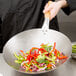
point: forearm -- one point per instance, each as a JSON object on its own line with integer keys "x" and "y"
{"x": 71, "y": 6}
{"x": 62, "y": 3}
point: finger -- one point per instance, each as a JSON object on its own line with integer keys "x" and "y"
{"x": 46, "y": 6}
{"x": 49, "y": 8}
{"x": 53, "y": 14}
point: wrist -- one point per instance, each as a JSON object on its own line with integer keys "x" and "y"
{"x": 62, "y": 3}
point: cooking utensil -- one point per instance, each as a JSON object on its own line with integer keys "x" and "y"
{"x": 33, "y": 38}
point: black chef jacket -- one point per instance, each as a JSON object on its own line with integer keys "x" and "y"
{"x": 26, "y": 14}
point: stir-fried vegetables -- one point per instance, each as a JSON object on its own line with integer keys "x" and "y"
{"x": 39, "y": 59}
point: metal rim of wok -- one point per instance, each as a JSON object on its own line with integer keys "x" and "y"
{"x": 26, "y": 39}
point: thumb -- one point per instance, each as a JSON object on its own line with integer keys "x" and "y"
{"x": 47, "y": 8}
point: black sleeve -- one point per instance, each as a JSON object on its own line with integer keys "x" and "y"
{"x": 71, "y": 7}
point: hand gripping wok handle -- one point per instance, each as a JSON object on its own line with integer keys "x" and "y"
{"x": 47, "y": 14}
{"x": 45, "y": 26}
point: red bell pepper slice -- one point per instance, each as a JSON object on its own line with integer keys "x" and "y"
{"x": 55, "y": 52}
{"x": 63, "y": 57}
{"x": 54, "y": 45}
{"x": 42, "y": 50}
{"x": 22, "y": 52}
{"x": 33, "y": 49}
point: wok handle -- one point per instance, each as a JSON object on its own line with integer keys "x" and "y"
{"x": 45, "y": 26}
{"x": 47, "y": 14}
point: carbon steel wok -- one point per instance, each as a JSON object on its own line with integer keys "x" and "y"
{"x": 33, "y": 38}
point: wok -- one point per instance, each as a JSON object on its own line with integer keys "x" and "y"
{"x": 33, "y": 38}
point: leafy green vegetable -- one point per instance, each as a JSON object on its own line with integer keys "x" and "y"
{"x": 19, "y": 58}
{"x": 73, "y": 48}
{"x": 46, "y": 61}
{"x": 51, "y": 58}
{"x": 18, "y": 61}
{"x": 16, "y": 55}
{"x": 39, "y": 66}
{"x": 41, "y": 58}
{"x": 46, "y": 47}
{"x": 58, "y": 54}
{"x": 44, "y": 53}
{"x": 28, "y": 65}
{"x": 27, "y": 52}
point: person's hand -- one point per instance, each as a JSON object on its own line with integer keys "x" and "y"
{"x": 54, "y": 8}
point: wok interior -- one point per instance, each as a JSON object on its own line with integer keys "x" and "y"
{"x": 33, "y": 38}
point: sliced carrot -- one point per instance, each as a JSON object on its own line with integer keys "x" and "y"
{"x": 30, "y": 70}
{"x": 55, "y": 52}
{"x": 42, "y": 50}
{"x": 25, "y": 65}
{"x": 22, "y": 52}
{"x": 33, "y": 48}
{"x": 28, "y": 63}
{"x": 49, "y": 65}
{"x": 51, "y": 52}
{"x": 54, "y": 45}
{"x": 53, "y": 48}
{"x": 62, "y": 57}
